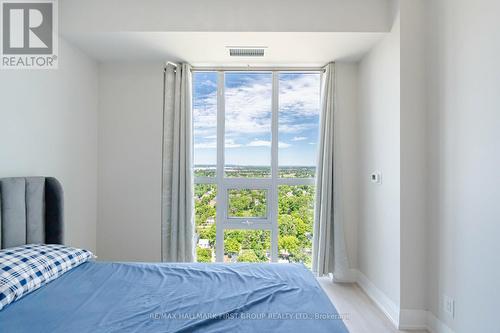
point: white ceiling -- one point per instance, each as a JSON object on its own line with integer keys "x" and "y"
{"x": 209, "y": 48}
{"x": 225, "y": 15}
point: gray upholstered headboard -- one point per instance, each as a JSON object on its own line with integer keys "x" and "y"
{"x": 31, "y": 211}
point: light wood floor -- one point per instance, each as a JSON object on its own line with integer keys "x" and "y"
{"x": 363, "y": 315}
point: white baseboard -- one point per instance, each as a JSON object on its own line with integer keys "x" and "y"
{"x": 403, "y": 319}
{"x": 388, "y": 307}
{"x": 410, "y": 319}
{"x": 421, "y": 320}
{"x": 434, "y": 325}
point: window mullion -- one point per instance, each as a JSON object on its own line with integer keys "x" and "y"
{"x": 221, "y": 192}
{"x": 273, "y": 200}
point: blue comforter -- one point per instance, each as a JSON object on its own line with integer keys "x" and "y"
{"x": 137, "y": 297}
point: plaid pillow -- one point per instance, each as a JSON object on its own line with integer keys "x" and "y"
{"x": 26, "y": 268}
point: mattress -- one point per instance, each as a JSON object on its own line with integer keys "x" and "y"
{"x": 142, "y": 297}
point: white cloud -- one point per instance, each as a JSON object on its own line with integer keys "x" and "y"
{"x": 209, "y": 83}
{"x": 248, "y": 108}
{"x": 295, "y": 127}
{"x": 205, "y": 115}
{"x": 205, "y": 145}
{"x": 299, "y": 101}
{"x": 230, "y": 143}
{"x": 265, "y": 143}
{"x": 312, "y": 143}
{"x": 300, "y": 95}
{"x": 259, "y": 143}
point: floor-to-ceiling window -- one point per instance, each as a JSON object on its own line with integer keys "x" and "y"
{"x": 255, "y": 142}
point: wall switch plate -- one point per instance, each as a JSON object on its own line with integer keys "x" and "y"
{"x": 449, "y": 306}
{"x": 376, "y": 177}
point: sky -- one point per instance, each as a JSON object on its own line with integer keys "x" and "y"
{"x": 248, "y": 103}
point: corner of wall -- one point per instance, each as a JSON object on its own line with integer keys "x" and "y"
{"x": 59, "y": 134}
{"x": 402, "y": 319}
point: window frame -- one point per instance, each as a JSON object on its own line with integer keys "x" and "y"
{"x": 271, "y": 185}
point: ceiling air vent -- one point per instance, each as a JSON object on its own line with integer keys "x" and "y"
{"x": 246, "y": 51}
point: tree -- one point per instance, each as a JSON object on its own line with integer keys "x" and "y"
{"x": 295, "y": 216}
{"x": 248, "y": 256}
{"x": 289, "y": 244}
{"x": 203, "y": 255}
{"x": 208, "y": 233}
{"x": 247, "y": 203}
{"x": 287, "y": 225}
{"x": 232, "y": 245}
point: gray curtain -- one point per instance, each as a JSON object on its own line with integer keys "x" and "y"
{"x": 177, "y": 180}
{"x": 329, "y": 250}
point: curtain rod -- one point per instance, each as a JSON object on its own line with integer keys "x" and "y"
{"x": 256, "y": 68}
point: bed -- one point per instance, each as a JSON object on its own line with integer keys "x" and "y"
{"x": 152, "y": 297}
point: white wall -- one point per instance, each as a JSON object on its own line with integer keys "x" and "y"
{"x": 48, "y": 127}
{"x": 130, "y": 134}
{"x": 413, "y": 157}
{"x": 464, "y": 141}
{"x": 346, "y": 154}
{"x": 379, "y": 150}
